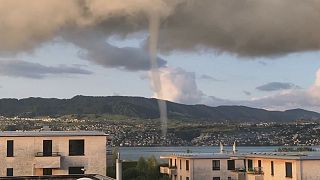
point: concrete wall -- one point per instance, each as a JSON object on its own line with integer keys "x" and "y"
{"x": 201, "y": 169}
{"x": 279, "y": 169}
{"x": 25, "y": 148}
{"x": 310, "y": 169}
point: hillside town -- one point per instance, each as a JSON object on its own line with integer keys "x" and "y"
{"x": 133, "y": 132}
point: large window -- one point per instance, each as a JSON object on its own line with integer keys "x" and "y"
{"x": 215, "y": 164}
{"x": 272, "y": 168}
{"x": 9, "y": 171}
{"x": 250, "y": 164}
{"x": 187, "y": 165}
{"x": 10, "y": 148}
{"x": 76, "y": 147}
{"x": 76, "y": 170}
{"x": 289, "y": 169}
{"x": 231, "y": 165}
{"x": 216, "y": 178}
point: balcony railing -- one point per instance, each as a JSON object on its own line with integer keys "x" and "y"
{"x": 171, "y": 170}
{"x": 42, "y": 154}
{"x": 255, "y": 170}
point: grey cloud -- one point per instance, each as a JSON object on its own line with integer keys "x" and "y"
{"x": 247, "y": 93}
{"x": 274, "y": 86}
{"x": 96, "y": 49}
{"x": 17, "y": 68}
{"x": 208, "y": 77}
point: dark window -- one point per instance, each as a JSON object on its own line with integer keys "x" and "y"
{"x": 231, "y": 165}
{"x": 175, "y": 162}
{"x": 76, "y": 170}
{"x": 216, "y": 178}
{"x": 250, "y": 164}
{"x": 272, "y": 168}
{"x": 229, "y": 178}
{"x": 215, "y": 164}
{"x": 187, "y": 178}
{"x": 47, "y": 148}
{"x": 170, "y": 163}
{"x": 288, "y": 169}
{"x": 76, "y": 147}
{"x": 187, "y": 165}
{"x": 9, "y": 171}
{"x": 10, "y": 148}
{"x": 180, "y": 163}
{"x": 259, "y": 163}
{"x": 180, "y": 176}
{"x": 47, "y": 171}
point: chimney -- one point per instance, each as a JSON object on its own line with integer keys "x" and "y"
{"x": 234, "y": 148}
{"x": 221, "y": 148}
{"x": 118, "y": 168}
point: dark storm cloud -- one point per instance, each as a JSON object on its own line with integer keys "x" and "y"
{"x": 17, "y": 68}
{"x": 247, "y": 28}
{"x": 275, "y": 86}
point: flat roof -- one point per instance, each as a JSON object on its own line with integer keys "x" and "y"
{"x": 199, "y": 156}
{"x": 50, "y": 133}
{"x": 285, "y": 155}
{"x": 264, "y": 155}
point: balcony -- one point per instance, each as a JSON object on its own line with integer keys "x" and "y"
{"x": 168, "y": 170}
{"x": 256, "y": 170}
{"x": 255, "y": 174}
{"x": 52, "y": 160}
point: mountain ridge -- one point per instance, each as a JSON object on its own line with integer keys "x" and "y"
{"x": 145, "y": 108}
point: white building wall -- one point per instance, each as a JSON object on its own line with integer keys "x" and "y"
{"x": 25, "y": 149}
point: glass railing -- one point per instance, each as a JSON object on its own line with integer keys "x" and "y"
{"x": 42, "y": 154}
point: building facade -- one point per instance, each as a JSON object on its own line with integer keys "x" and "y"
{"x": 253, "y": 166}
{"x": 52, "y": 153}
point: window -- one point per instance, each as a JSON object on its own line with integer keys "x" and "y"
{"x": 272, "y": 169}
{"x": 180, "y": 176}
{"x": 175, "y": 162}
{"x": 231, "y": 165}
{"x": 289, "y": 169}
{"x": 187, "y": 178}
{"x": 250, "y": 164}
{"x": 9, "y": 171}
{"x": 215, "y": 164}
{"x": 180, "y": 164}
{"x": 10, "y": 148}
{"x": 76, "y": 147}
{"x": 76, "y": 170}
{"x": 216, "y": 178}
{"x": 47, "y": 147}
{"x": 47, "y": 171}
{"x": 229, "y": 178}
{"x": 187, "y": 165}
{"x": 259, "y": 163}
{"x": 170, "y": 163}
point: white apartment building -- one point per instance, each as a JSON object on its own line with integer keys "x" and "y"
{"x": 233, "y": 166}
{"x": 33, "y": 153}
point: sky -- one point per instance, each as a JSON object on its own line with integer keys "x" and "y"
{"x": 260, "y": 54}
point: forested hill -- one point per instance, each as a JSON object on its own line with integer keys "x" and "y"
{"x": 144, "y": 108}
